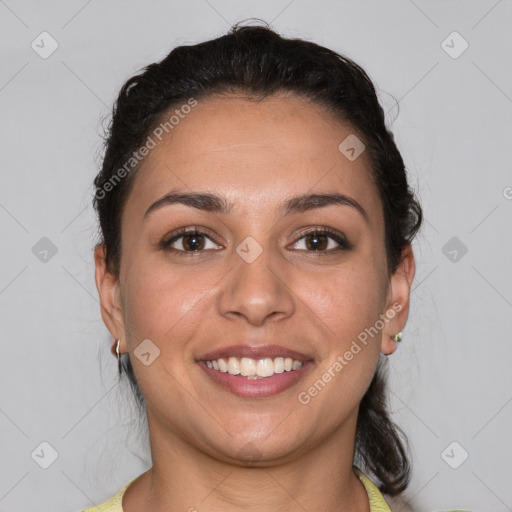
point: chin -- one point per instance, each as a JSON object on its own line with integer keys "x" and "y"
{"x": 259, "y": 452}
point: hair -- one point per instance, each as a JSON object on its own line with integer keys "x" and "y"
{"x": 257, "y": 61}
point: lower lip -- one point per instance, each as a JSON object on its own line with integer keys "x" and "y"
{"x": 257, "y": 388}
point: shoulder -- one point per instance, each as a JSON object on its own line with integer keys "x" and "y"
{"x": 113, "y": 504}
{"x": 377, "y": 501}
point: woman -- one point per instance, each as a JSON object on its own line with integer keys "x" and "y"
{"x": 254, "y": 271}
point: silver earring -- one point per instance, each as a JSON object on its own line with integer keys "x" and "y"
{"x": 398, "y": 337}
{"x": 116, "y": 352}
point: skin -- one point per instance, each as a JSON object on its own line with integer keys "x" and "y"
{"x": 257, "y": 155}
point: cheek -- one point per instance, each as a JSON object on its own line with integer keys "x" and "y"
{"x": 166, "y": 307}
{"x": 164, "y": 303}
{"x": 346, "y": 305}
{"x": 346, "y": 302}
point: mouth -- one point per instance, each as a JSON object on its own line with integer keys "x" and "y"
{"x": 255, "y": 371}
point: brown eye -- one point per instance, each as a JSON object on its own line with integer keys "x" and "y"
{"x": 189, "y": 241}
{"x": 317, "y": 242}
{"x": 194, "y": 242}
{"x": 323, "y": 240}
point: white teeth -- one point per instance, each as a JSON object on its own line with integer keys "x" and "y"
{"x": 233, "y": 366}
{"x": 279, "y": 365}
{"x": 223, "y": 366}
{"x": 255, "y": 369}
{"x": 295, "y": 365}
{"x": 265, "y": 367}
{"x": 247, "y": 367}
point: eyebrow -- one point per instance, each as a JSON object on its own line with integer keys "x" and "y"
{"x": 216, "y": 204}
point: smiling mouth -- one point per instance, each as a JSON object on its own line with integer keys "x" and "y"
{"x": 255, "y": 370}
{"x": 250, "y": 368}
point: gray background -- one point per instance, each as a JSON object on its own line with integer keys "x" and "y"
{"x": 450, "y": 379}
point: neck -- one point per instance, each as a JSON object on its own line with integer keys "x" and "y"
{"x": 185, "y": 478}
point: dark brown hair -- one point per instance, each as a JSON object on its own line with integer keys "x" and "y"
{"x": 258, "y": 62}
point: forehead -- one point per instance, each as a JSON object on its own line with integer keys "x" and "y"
{"x": 253, "y": 152}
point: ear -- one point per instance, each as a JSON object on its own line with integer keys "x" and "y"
{"x": 397, "y": 301}
{"x": 110, "y": 298}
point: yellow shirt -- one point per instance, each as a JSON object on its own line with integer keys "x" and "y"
{"x": 377, "y": 502}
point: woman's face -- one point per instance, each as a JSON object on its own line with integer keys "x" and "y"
{"x": 262, "y": 272}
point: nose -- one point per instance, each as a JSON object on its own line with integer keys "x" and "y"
{"x": 257, "y": 291}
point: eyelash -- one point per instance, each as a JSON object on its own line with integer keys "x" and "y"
{"x": 339, "y": 238}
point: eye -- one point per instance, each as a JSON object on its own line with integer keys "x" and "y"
{"x": 189, "y": 240}
{"x": 323, "y": 240}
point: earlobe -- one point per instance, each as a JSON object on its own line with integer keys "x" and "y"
{"x": 110, "y": 299}
{"x": 397, "y": 304}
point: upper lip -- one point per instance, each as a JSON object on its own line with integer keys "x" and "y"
{"x": 254, "y": 352}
